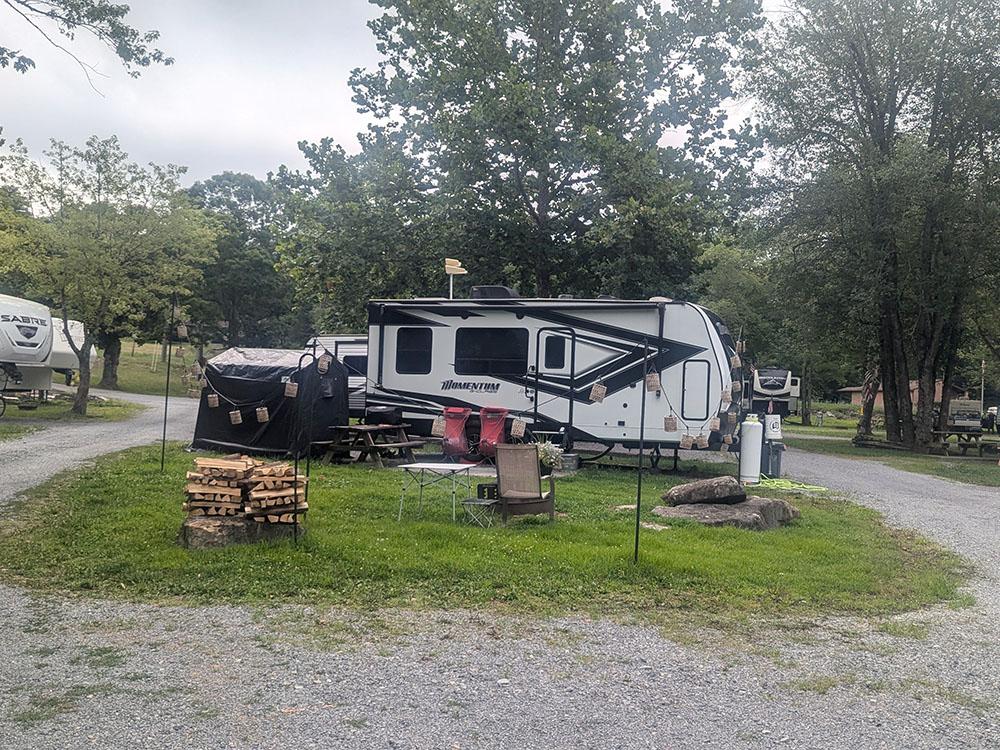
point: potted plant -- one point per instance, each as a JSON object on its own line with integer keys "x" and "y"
{"x": 549, "y": 455}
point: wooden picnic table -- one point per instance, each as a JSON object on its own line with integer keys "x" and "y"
{"x": 965, "y": 439}
{"x": 372, "y": 440}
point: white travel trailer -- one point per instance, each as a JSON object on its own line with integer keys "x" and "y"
{"x": 541, "y": 358}
{"x": 774, "y": 391}
{"x": 353, "y": 352}
{"x": 25, "y": 345}
{"x": 63, "y": 359}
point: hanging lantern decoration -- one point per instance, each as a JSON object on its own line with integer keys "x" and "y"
{"x": 737, "y": 387}
{"x": 702, "y": 441}
{"x": 235, "y": 417}
{"x": 262, "y": 415}
{"x": 598, "y": 392}
{"x": 291, "y": 389}
{"x": 727, "y": 397}
{"x": 653, "y": 382}
{"x": 437, "y": 426}
{"x": 323, "y": 363}
{"x": 715, "y": 424}
{"x": 687, "y": 441}
{"x": 213, "y": 400}
{"x": 736, "y": 362}
{"x": 741, "y": 346}
{"x": 670, "y": 423}
{"x": 727, "y": 439}
{"x": 517, "y": 428}
{"x": 182, "y": 331}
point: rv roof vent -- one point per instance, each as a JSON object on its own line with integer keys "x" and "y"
{"x": 660, "y": 299}
{"x": 565, "y": 296}
{"x": 493, "y": 292}
{"x": 606, "y": 296}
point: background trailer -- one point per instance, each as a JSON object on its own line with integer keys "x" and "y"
{"x": 241, "y": 382}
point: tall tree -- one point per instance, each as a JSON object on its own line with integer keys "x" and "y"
{"x": 899, "y": 101}
{"x": 57, "y": 22}
{"x": 119, "y": 239}
{"x": 523, "y": 113}
{"x": 242, "y": 289}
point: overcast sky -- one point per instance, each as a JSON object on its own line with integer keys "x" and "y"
{"x": 251, "y": 79}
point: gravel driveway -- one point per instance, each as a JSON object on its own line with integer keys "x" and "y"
{"x": 84, "y": 673}
{"x": 58, "y": 446}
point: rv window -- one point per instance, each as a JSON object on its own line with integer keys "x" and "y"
{"x": 357, "y": 364}
{"x": 555, "y": 353}
{"x": 413, "y": 351}
{"x": 491, "y": 351}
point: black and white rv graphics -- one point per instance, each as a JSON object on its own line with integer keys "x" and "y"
{"x": 542, "y": 358}
{"x": 774, "y": 391}
{"x": 25, "y": 344}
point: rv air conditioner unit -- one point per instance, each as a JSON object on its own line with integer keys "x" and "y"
{"x": 493, "y": 292}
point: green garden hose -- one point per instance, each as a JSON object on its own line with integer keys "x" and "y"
{"x": 788, "y": 484}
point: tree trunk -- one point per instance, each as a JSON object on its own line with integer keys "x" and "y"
{"x": 805, "y": 396}
{"x": 869, "y": 392}
{"x": 887, "y": 366}
{"x": 112, "y": 356}
{"x": 83, "y": 389}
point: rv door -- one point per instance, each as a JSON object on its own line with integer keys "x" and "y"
{"x": 555, "y": 361}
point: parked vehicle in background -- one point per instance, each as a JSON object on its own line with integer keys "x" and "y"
{"x": 774, "y": 391}
{"x": 25, "y": 345}
{"x": 63, "y": 359}
{"x": 352, "y": 350}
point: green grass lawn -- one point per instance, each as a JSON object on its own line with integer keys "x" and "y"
{"x": 970, "y": 471}
{"x": 136, "y": 374}
{"x": 59, "y": 409}
{"x": 11, "y": 430}
{"x": 111, "y": 530}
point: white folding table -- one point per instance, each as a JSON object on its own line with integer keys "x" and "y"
{"x": 425, "y": 474}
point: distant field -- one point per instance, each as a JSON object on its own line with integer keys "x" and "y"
{"x": 142, "y": 371}
{"x": 59, "y": 410}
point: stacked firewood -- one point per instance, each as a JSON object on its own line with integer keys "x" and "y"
{"x": 216, "y": 487}
{"x": 275, "y": 494}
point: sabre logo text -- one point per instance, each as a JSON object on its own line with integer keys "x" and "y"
{"x": 5, "y": 318}
{"x": 456, "y": 385}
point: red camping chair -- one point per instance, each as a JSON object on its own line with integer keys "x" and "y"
{"x": 455, "y": 443}
{"x": 492, "y": 420}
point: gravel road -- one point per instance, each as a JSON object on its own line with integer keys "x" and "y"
{"x": 56, "y": 447}
{"x": 82, "y": 673}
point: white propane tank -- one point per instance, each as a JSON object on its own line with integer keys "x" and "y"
{"x": 772, "y": 427}
{"x": 751, "y": 432}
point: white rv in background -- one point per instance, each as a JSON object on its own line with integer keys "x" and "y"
{"x": 541, "y": 358}
{"x": 352, "y": 350}
{"x": 774, "y": 390}
{"x": 63, "y": 359}
{"x": 25, "y": 345}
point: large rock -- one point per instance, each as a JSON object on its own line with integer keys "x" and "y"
{"x": 212, "y": 533}
{"x": 756, "y": 513}
{"x": 715, "y": 490}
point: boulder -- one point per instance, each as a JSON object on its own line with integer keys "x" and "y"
{"x": 755, "y": 513}
{"x": 715, "y": 490}
{"x": 198, "y": 532}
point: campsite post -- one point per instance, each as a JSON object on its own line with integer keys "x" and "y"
{"x": 642, "y": 447}
{"x": 166, "y": 390}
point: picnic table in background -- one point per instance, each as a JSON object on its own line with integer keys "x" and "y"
{"x": 372, "y": 441}
{"x": 965, "y": 439}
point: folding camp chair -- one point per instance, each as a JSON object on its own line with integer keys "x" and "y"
{"x": 455, "y": 444}
{"x": 492, "y": 421}
{"x": 519, "y": 480}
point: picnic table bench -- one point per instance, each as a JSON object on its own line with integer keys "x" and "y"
{"x": 372, "y": 441}
{"x": 965, "y": 439}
